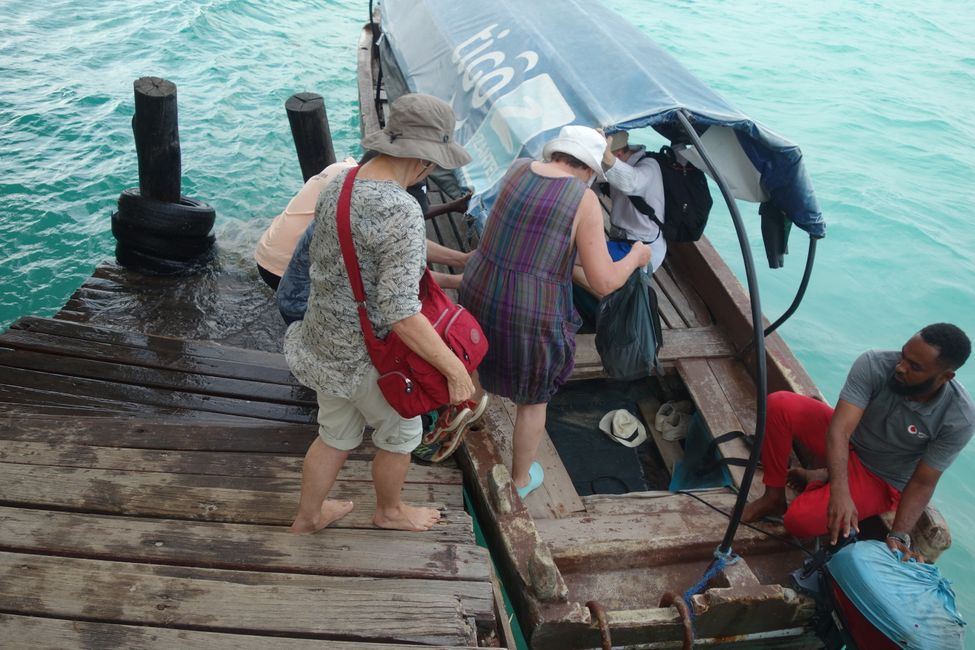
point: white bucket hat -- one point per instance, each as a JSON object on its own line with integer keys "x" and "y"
{"x": 623, "y": 427}
{"x": 582, "y": 143}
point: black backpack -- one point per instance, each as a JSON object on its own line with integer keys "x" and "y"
{"x": 687, "y": 199}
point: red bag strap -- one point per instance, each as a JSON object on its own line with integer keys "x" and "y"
{"x": 343, "y": 223}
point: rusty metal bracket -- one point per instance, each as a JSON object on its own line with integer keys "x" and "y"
{"x": 671, "y": 599}
{"x": 600, "y": 615}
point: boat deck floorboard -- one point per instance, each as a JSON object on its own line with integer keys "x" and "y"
{"x": 148, "y": 483}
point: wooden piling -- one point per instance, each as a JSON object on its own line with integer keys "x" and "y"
{"x": 309, "y": 127}
{"x": 157, "y": 139}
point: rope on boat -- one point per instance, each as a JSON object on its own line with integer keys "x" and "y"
{"x": 600, "y": 615}
{"x": 683, "y": 603}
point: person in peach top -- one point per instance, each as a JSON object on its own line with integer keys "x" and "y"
{"x": 278, "y": 242}
{"x": 277, "y": 245}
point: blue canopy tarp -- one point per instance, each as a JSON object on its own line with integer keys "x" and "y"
{"x": 515, "y": 72}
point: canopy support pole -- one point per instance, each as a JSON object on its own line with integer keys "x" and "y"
{"x": 756, "y": 308}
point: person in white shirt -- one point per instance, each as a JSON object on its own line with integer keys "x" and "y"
{"x": 629, "y": 171}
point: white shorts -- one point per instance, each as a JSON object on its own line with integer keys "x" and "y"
{"x": 341, "y": 421}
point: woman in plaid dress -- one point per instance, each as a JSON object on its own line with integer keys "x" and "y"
{"x": 518, "y": 283}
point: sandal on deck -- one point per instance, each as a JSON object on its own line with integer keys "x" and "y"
{"x": 448, "y": 438}
{"x": 452, "y": 418}
{"x": 536, "y": 475}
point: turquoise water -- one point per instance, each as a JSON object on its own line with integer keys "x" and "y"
{"x": 881, "y": 97}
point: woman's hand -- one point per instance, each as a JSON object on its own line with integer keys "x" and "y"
{"x": 417, "y": 332}
{"x": 642, "y": 253}
{"x": 459, "y": 384}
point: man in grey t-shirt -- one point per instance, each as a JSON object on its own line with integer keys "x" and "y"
{"x": 902, "y": 418}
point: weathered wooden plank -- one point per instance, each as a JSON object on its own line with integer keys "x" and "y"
{"x": 366, "y": 609}
{"x": 713, "y": 405}
{"x": 74, "y": 310}
{"x": 197, "y": 497}
{"x": 81, "y": 387}
{"x": 634, "y": 502}
{"x": 669, "y": 314}
{"x": 81, "y": 404}
{"x": 688, "y": 342}
{"x": 666, "y": 287}
{"x": 335, "y": 552}
{"x": 220, "y": 433}
{"x": 145, "y": 357}
{"x": 161, "y": 344}
{"x": 506, "y": 636}
{"x": 110, "y": 430}
{"x": 123, "y": 373}
{"x": 739, "y": 388}
{"x": 34, "y": 633}
{"x": 212, "y": 463}
{"x": 666, "y": 530}
{"x": 688, "y": 293}
{"x": 187, "y": 430}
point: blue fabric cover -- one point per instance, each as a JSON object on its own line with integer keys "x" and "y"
{"x": 515, "y": 72}
{"x": 910, "y": 602}
{"x": 295, "y": 285}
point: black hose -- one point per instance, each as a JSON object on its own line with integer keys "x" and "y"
{"x": 756, "y": 308}
{"x": 806, "y": 274}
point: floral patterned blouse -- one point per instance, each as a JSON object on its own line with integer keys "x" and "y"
{"x": 326, "y": 351}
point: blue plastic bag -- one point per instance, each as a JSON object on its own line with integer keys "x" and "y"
{"x": 910, "y": 602}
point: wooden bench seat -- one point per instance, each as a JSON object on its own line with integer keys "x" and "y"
{"x": 725, "y": 397}
{"x": 686, "y": 343}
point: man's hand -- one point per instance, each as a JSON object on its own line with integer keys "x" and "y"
{"x": 906, "y": 553}
{"x": 841, "y": 516}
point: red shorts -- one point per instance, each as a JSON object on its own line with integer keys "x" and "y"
{"x": 796, "y": 417}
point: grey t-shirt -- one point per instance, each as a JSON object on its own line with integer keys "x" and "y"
{"x": 896, "y": 432}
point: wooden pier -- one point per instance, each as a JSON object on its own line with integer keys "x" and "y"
{"x": 147, "y": 486}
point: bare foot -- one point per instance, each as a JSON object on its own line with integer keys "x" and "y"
{"x": 407, "y": 518}
{"x": 798, "y": 477}
{"x": 331, "y": 511}
{"x": 770, "y": 503}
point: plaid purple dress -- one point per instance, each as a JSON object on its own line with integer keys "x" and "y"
{"x": 518, "y": 284}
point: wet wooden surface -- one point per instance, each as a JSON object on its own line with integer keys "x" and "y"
{"x": 147, "y": 487}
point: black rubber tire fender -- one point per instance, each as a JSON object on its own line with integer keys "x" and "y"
{"x": 169, "y": 247}
{"x": 188, "y": 218}
{"x": 150, "y": 264}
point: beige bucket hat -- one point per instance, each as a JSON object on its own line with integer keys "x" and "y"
{"x": 419, "y": 126}
{"x": 618, "y": 140}
{"x": 582, "y": 143}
